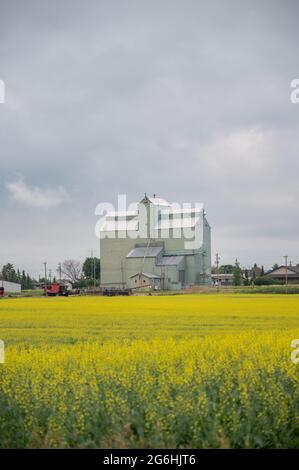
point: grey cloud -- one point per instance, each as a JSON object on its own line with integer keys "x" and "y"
{"x": 37, "y": 197}
{"x": 189, "y": 100}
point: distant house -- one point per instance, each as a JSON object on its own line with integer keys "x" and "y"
{"x": 280, "y": 273}
{"x": 145, "y": 281}
{"x": 222, "y": 279}
{"x": 10, "y": 286}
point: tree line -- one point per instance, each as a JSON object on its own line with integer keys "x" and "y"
{"x": 245, "y": 276}
{"x": 10, "y": 274}
{"x": 79, "y": 274}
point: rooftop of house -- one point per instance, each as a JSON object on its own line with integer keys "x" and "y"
{"x": 291, "y": 270}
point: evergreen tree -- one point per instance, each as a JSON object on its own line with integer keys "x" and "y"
{"x": 23, "y": 280}
{"x": 237, "y": 278}
{"x": 246, "y": 280}
{"x": 254, "y": 271}
{"x": 28, "y": 282}
{"x": 8, "y": 273}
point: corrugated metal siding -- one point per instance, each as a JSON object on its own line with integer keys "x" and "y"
{"x": 10, "y": 286}
{"x": 170, "y": 260}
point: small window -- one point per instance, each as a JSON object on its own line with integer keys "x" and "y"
{"x": 143, "y": 280}
{"x": 135, "y": 281}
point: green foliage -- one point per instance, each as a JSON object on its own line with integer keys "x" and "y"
{"x": 266, "y": 281}
{"x": 85, "y": 283}
{"x": 237, "y": 272}
{"x": 223, "y": 269}
{"x": 92, "y": 372}
{"x": 246, "y": 278}
{"x": 24, "y": 280}
{"x": 226, "y": 269}
{"x": 92, "y": 268}
{"x": 9, "y": 274}
{"x": 276, "y": 289}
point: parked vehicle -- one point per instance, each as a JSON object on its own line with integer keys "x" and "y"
{"x": 112, "y": 291}
{"x": 56, "y": 289}
{"x": 60, "y": 289}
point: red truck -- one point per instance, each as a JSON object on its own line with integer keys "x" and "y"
{"x": 56, "y": 289}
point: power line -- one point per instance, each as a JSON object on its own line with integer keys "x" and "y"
{"x": 217, "y": 271}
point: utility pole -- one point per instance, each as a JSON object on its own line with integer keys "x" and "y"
{"x": 45, "y": 264}
{"x": 217, "y": 267}
{"x": 59, "y": 270}
{"x": 286, "y": 272}
{"x": 94, "y": 276}
{"x": 50, "y": 275}
{"x": 93, "y": 272}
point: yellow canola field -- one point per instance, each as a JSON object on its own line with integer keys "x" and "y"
{"x": 170, "y": 371}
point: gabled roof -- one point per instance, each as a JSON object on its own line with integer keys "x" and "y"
{"x": 281, "y": 271}
{"x": 296, "y": 268}
{"x": 157, "y": 201}
{"x": 145, "y": 252}
{"x": 148, "y": 275}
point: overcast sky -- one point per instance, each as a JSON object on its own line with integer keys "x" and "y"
{"x": 186, "y": 99}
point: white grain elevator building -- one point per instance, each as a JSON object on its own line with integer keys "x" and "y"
{"x": 157, "y": 246}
